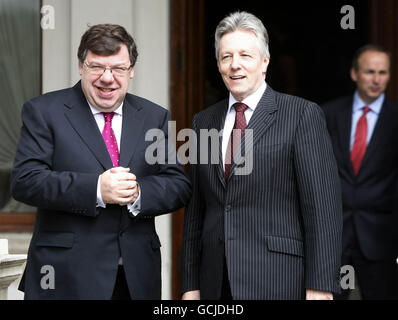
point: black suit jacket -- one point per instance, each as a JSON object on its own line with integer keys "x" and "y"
{"x": 369, "y": 199}
{"x": 60, "y": 155}
{"x": 279, "y": 227}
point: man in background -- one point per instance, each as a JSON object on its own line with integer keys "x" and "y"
{"x": 364, "y": 132}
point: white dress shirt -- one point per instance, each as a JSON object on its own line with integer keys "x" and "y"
{"x": 135, "y": 207}
{"x": 371, "y": 116}
{"x": 252, "y": 102}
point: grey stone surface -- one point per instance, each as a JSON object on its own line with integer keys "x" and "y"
{"x": 18, "y": 243}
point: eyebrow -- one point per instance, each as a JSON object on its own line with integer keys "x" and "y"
{"x": 119, "y": 64}
{"x": 239, "y": 52}
{"x": 374, "y": 70}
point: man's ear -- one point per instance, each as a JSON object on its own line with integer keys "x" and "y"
{"x": 132, "y": 73}
{"x": 265, "y": 64}
{"x": 354, "y": 75}
{"x": 80, "y": 65}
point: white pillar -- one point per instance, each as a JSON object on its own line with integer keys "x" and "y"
{"x": 151, "y": 81}
{"x": 56, "y": 48}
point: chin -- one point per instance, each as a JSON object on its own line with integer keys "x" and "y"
{"x": 374, "y": 96}
{"x": 238, "y": 94}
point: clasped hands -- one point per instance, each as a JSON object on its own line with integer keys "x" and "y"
{"x": 119, "y": 186}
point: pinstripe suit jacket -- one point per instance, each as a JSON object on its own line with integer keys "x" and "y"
{"x": 279, "y": 227}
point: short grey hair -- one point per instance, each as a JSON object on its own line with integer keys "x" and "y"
{"x": 242, "y": 20}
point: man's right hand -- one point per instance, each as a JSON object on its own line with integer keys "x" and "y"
{"x": 118, "y": 186}
{"x": 191, "y": 295}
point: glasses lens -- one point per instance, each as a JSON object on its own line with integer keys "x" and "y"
{"x": 99, "y": 70}
{"x": 120, "y": 71}
{"x": 94, "y": 69}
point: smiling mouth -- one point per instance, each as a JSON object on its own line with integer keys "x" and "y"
{"x": 237, "y": 77}
{"x": 106, "y": 89}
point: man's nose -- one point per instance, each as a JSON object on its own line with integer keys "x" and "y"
{"x": 235, "y": 64}
{"x": 376, "y": 78}
{"x": 107, "y": 76}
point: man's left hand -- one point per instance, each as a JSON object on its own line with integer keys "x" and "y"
{"x": 318, "y": 295}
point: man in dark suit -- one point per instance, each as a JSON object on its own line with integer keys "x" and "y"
{"x": 363, "y": 128}
{"x": 96, "y": 194}
{"x": 272, "y": 230}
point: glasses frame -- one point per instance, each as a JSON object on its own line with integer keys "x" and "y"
{"x": 124, "y": 70}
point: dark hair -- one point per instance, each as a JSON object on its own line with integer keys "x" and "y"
{"x": 106, "y": 40}
{"x": 368, "y": 47}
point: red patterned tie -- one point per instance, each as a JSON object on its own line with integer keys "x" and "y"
{"x": 234, "y": 140}
{"x": 360, "y": 142}
{"x": 110, "y": 139}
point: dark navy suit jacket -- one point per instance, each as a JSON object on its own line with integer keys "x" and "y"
{"x": 60, "y": 155}
{"x": 370, "y": 198}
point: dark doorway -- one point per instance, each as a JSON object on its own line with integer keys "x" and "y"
{"x": 310, "y": 52}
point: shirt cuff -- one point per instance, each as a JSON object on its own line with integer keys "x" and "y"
{"x": 100, "y": 202}
{"x": 135, "y": 207}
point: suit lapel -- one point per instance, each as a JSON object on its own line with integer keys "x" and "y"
{"x": 82, "y": 120}
{"x": 377, "y": 136}
{"x": 217, "y": 123}
{"x": 132, "y": 129}
{"x": 261, "y": 120}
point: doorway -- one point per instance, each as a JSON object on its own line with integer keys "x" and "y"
{"x": 310, "y": 52}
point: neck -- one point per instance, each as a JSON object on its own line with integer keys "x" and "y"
{"x": 368, "y": 100}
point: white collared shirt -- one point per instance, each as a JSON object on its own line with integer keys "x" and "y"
{"x": 117, "y": 119}
{"x": 252, "y": 102}
{"x": 371, "y": 116}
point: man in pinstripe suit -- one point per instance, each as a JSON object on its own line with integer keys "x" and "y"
{"x": 274, "y": 233}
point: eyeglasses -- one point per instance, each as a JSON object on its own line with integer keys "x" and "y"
{"x": 98, "y": 70}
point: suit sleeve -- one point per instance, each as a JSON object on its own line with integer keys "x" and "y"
{"x": 170, "y": 188}
{"x": 35, "y": 182}
{"x": 320, "y": 201}
{"x": 193, "y": 221}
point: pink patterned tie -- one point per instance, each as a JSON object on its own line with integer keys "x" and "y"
{"x": 110, "y": 139}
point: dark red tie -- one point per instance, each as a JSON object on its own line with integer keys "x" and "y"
{"x": 234, "y": 140}
{"x": 110, "y": 139}
{"x": 359, "y": 147}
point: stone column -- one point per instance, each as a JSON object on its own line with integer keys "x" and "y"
{"x": 10, "y": 268}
